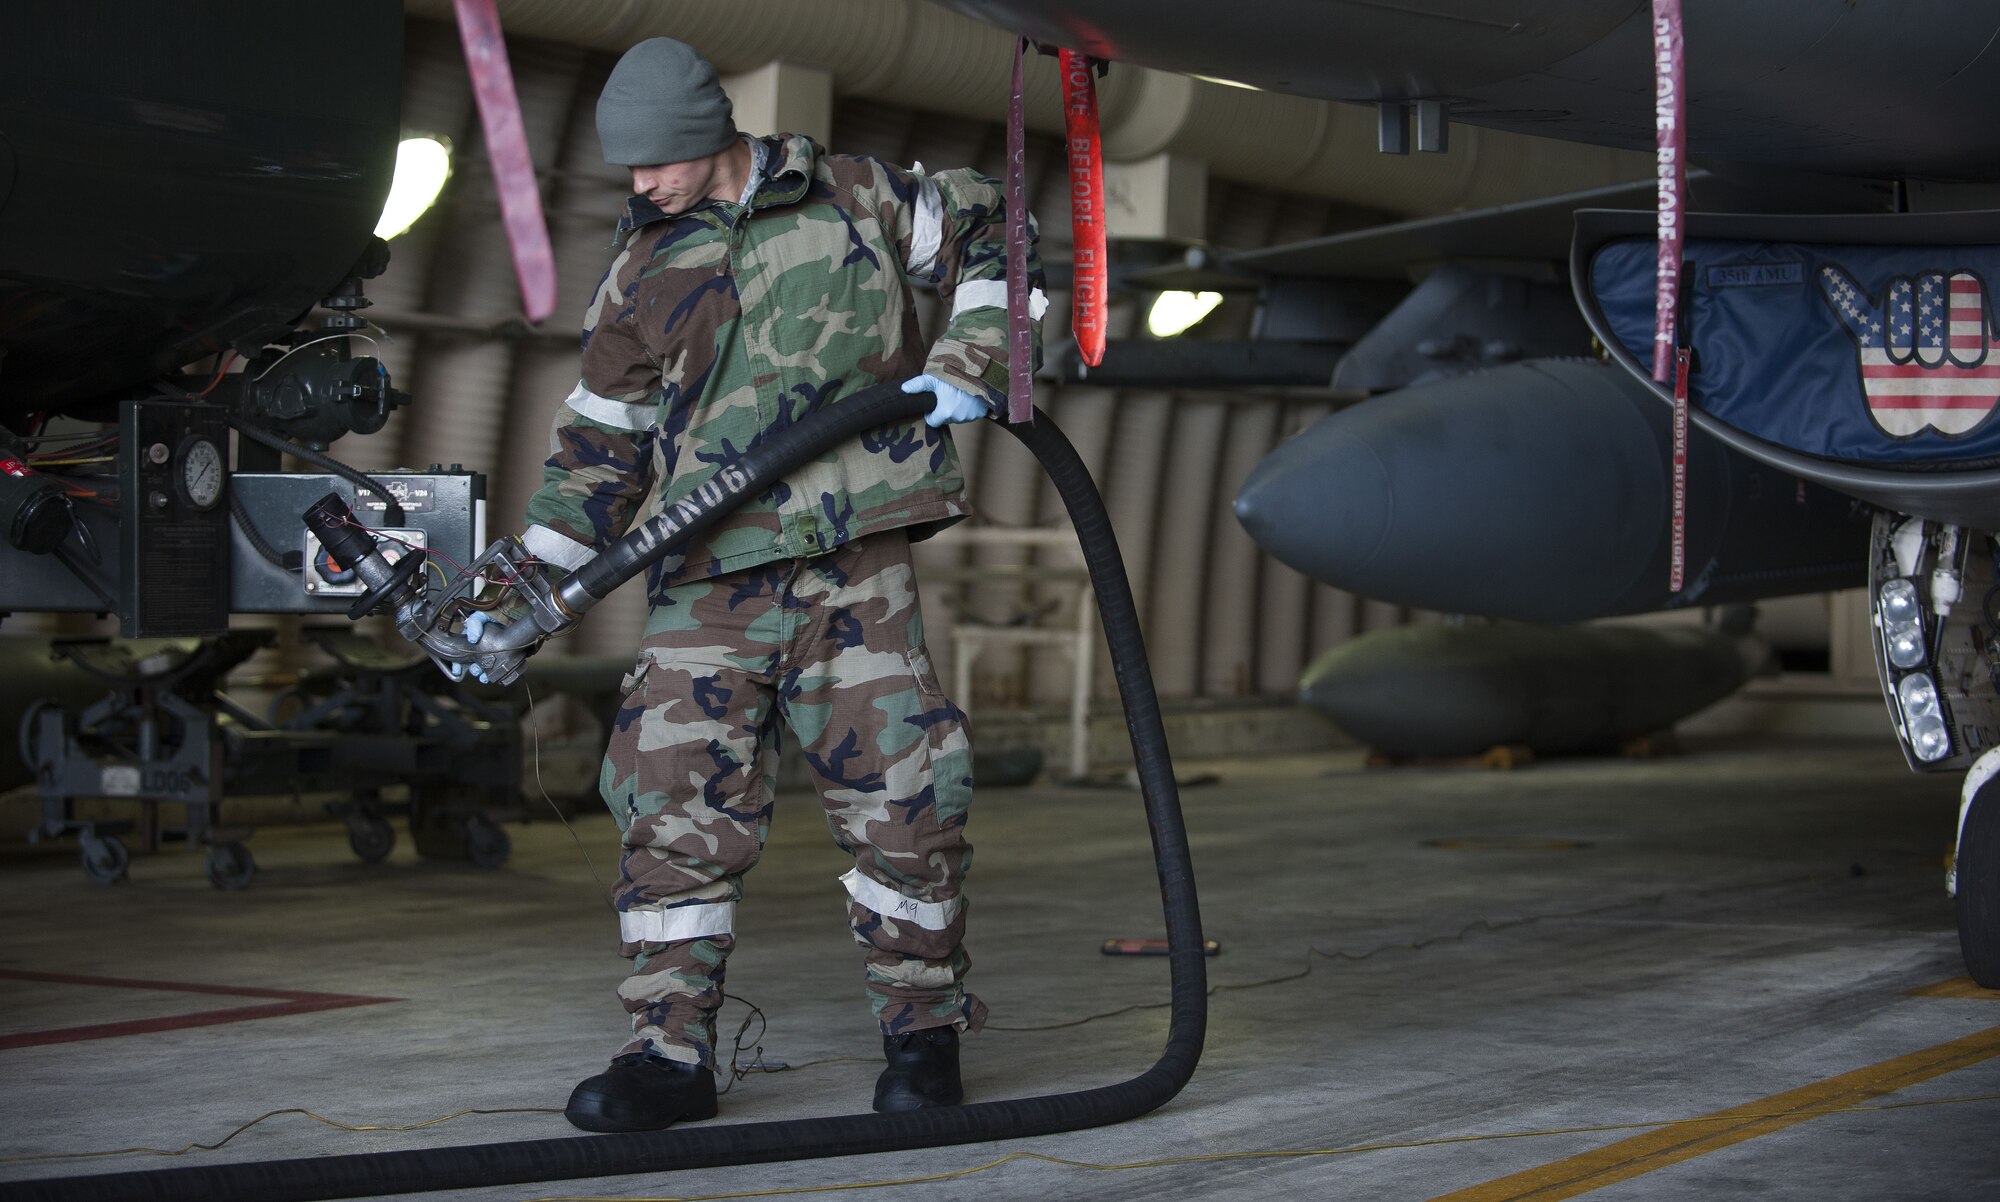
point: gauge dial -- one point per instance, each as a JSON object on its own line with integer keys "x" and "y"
{"x": 201, "y": 473}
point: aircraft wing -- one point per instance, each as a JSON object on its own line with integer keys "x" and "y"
{"x": 1530, "y": 230}
{"x": 1850, "y": 89}
{"x": 1542, "y": 229}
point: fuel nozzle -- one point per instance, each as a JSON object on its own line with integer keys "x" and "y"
{"x": 354, "y": 549}
{"x": 332, "y": 522}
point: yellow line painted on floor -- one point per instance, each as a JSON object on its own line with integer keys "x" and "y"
{"x": 1959, "y": 987}
{"x": 1642, "y": 1154}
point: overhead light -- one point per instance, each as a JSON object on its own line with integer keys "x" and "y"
{"x": 422, "y": 167}
{"x": 1175, "y": 312}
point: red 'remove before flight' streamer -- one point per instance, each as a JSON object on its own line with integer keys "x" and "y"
{"x": 1086, "y": 205}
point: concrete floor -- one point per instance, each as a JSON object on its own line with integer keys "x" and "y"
{"x": 1577, "y": 944}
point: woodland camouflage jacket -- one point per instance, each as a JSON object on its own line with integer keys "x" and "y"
{"x": 720, "y": 326}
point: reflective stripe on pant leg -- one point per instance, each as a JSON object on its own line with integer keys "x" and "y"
{"x": 915, "y": 959}
{"x": 669, "y": 923}
{"x": 886, "y": 902}
{"x": 893, "y": 764}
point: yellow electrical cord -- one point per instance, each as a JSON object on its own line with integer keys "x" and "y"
{"x": 1271, "y": 1154}
{"x": 1277, "y": 1154}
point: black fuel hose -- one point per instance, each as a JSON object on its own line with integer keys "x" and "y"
{"x": 764, "y": 464}
{"x": 392, "y": 509}
{"x": 475, "y": 1165}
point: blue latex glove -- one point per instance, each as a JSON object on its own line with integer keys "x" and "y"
{"x": 954, "y": 404}
{"x": 475, "y": 625}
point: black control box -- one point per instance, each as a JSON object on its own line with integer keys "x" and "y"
{"x": 173, "y": 507}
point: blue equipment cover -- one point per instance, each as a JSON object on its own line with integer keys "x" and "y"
{"x": 1869, "y": 354}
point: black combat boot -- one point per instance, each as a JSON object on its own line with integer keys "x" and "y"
{"x": 642, "y": 1093}
{"x": 922, "y": 1072}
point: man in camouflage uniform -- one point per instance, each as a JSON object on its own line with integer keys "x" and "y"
{"x": 760, "y": 280}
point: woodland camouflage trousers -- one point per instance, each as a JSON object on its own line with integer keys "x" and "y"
{"x": 835, "y": 645}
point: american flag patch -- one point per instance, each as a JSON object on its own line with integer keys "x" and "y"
{"x": 1924, "y": 349}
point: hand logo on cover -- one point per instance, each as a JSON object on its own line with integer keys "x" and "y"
{"x": 1927, "y": 349}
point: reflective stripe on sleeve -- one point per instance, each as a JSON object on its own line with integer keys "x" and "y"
{"x": 605, "y": 411}
{"x": 550, "y": 546}
{"x": 654, "y": 924}
{"x": 926, "y": 230}
{"x": 932, "y": 916}
{"x": 984, "y": 294}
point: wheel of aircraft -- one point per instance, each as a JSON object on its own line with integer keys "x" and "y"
{"x": 1979, "y": 888}
{"x": 230, "y": 866}
{"x": 104, "y": 858}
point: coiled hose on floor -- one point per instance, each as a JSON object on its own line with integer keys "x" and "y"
{"x": 473, "y": 1165}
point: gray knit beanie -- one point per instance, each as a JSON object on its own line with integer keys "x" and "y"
{"x": 662, "y": 104}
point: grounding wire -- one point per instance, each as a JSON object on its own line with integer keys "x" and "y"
{"x": 535, "y": 734}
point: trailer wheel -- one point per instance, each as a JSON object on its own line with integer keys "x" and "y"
{"x": 372, "y": 838}
{"x": 486, "y": 845}
{"x": 104, "y": 858}
{"x": 1979, "y": 888}
{"x": 230, "y": 866}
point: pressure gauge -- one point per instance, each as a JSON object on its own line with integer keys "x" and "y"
{"x": 201, "y": 472}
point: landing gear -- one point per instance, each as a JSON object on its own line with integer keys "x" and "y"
{"x": 1936, "y": 635}
{"x": 1978, "y": 881}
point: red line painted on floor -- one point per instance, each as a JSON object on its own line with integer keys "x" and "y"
{"x": 291, "y": 1001}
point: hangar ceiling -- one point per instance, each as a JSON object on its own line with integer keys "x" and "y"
{"x": 917, "y": 55}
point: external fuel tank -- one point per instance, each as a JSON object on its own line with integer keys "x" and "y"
{"x": 1449, "y": 690}
{"x": 1540, "y": 491}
